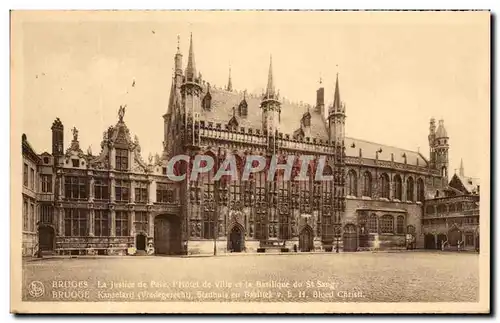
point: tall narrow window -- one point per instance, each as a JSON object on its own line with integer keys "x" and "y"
{"x": 46, "y": 183}
{"x": 121, "y": 159}
{"x": 32, "y": 178}
{"x": 75, "y": 222}
{"x": 46, "y": 214}
{"x": 141, "y": 192}
{"x": 327, "y": 220}
{"x": 101, "y": 223}
{"x": 25, "y": 175}
{"x": 400, "y": 224}
{"x": 409, "y": 189}
{"x": 141, "y": 221}
{"x": 372, "y": 224}
{"x": 387, "y": 224}
{"x": 367, "y": 184}
{"x": 32, "y": 217}
{"x": 384, "y": 186}
{"x": 121, "y": 222}
{"x": 122, "y": 190}
{"x": 398, "y": 190}
{"x": 209, "y": 216}
{"x": 101, "y": 189}
{"x": 420, "y": 190}
{"x": 352, "y": 183}
{"x": 25, "y": 216}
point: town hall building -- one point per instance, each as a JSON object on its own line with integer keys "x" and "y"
{"x": 114, "y": 201}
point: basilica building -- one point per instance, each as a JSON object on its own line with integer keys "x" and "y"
{"x": 113, "y": 202}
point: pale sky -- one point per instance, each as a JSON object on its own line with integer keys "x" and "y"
{"x": 396, "y": 71}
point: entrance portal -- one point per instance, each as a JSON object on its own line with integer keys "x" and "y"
{"x": 46, "y": 237}
{"x": 454, "y": 236}
{"x": 440, "y": 239}
{"x": 236, "y": 240}
{"x": 167, "y": 235}
{"x": 306, "y": 243}
{"x": 429, "y": 241}
{"x": 140, "y": 241}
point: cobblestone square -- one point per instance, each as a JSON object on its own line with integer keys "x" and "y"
{"x": 344, "y": 277}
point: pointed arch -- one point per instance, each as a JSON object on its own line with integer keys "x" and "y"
{"x": 420, "y": 190}
{"x": 397, "y": 187}
{"x": 384, "y": 185}
{"x": 352, "y": 183}
{"x": 410, "y": 189}
{"x": 367, "y": 184}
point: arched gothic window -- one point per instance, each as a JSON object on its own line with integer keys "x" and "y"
{"x": 352, "y": 183}
{"x": 420, "y": 190}
{"x": 398, "y": 190}
{"x": 367, "y": 184}
{"x": 409, "y": 188}
{"x": 400, "y": 224}
{"x": 372, "y": 224}
{"x": 384, "y": 185}
{"x": 387, "y": 224}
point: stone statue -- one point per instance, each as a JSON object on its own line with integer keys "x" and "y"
{"x": 121, "y": 112}
{"x": 89, "y": 151}
{"x": 75, "y": 134}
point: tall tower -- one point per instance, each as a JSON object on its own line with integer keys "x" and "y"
{"x": 270, "y": 105}
{"x": 441, "y": 147}
{"x": 178, "y": 64}
{"x": 229, "y": 82}
{"x": 336, "y": 116}
{"x": 57, "y": 138}
{"x": 432, "y": 139}
{"x": 461, "y": 170}
{"x": 191, "y": 87}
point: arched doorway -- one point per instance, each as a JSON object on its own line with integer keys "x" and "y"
{"x": 350, "y": 238}
{"x": 236, "y": 241}
{"x": 429, "y": 241}
{"x": 454, "y": 236}
{"x": 440, "y": 239}
{"x": 46, "y": 238}
{"x": 306, "y": 237}
{"x": 167, "y": 238}
{"x": 140, "y": 241}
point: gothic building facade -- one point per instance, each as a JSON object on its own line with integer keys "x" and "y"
{"x": 112, "y": 201}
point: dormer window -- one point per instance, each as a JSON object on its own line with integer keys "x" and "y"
{"x": 306, "y": 120}
{"x": 75, "y": 162}
{"x": 207, "y": 101}
{"x": 243, "y": 108}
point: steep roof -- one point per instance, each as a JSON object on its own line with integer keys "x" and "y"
{"x": 224, "y": 101}
{"x": 471, "y": 184}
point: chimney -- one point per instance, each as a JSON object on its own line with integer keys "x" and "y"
{"x": 320, "y": 100}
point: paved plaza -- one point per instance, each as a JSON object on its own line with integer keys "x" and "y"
{"x": 343, "y": 277}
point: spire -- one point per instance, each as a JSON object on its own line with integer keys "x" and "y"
{"x": 336, "y": 96}
{"x": 229, "y": 83}
{"x": 178, "y": 44}
{"x": 270, "y": 84}
{"x": 191, "y": 67}
{"x": 461, "y": 171}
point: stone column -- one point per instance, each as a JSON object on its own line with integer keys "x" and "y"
{"x": 403, "y": 189}
{"x": 91, "y": 221}
{"x": 91, "y": 189}
{"x": 112, "y": 158}
{"x": 132, "y": 223}
{"x": 391, "y": 187}
{"x": 61, "y": 221}
{"x": 151, "y": 192}
{"x": 113, "y": 224}
{"x": 151, "y": 224}
{"x": 132, "y": 191}
{"x": 112, "y": 183}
